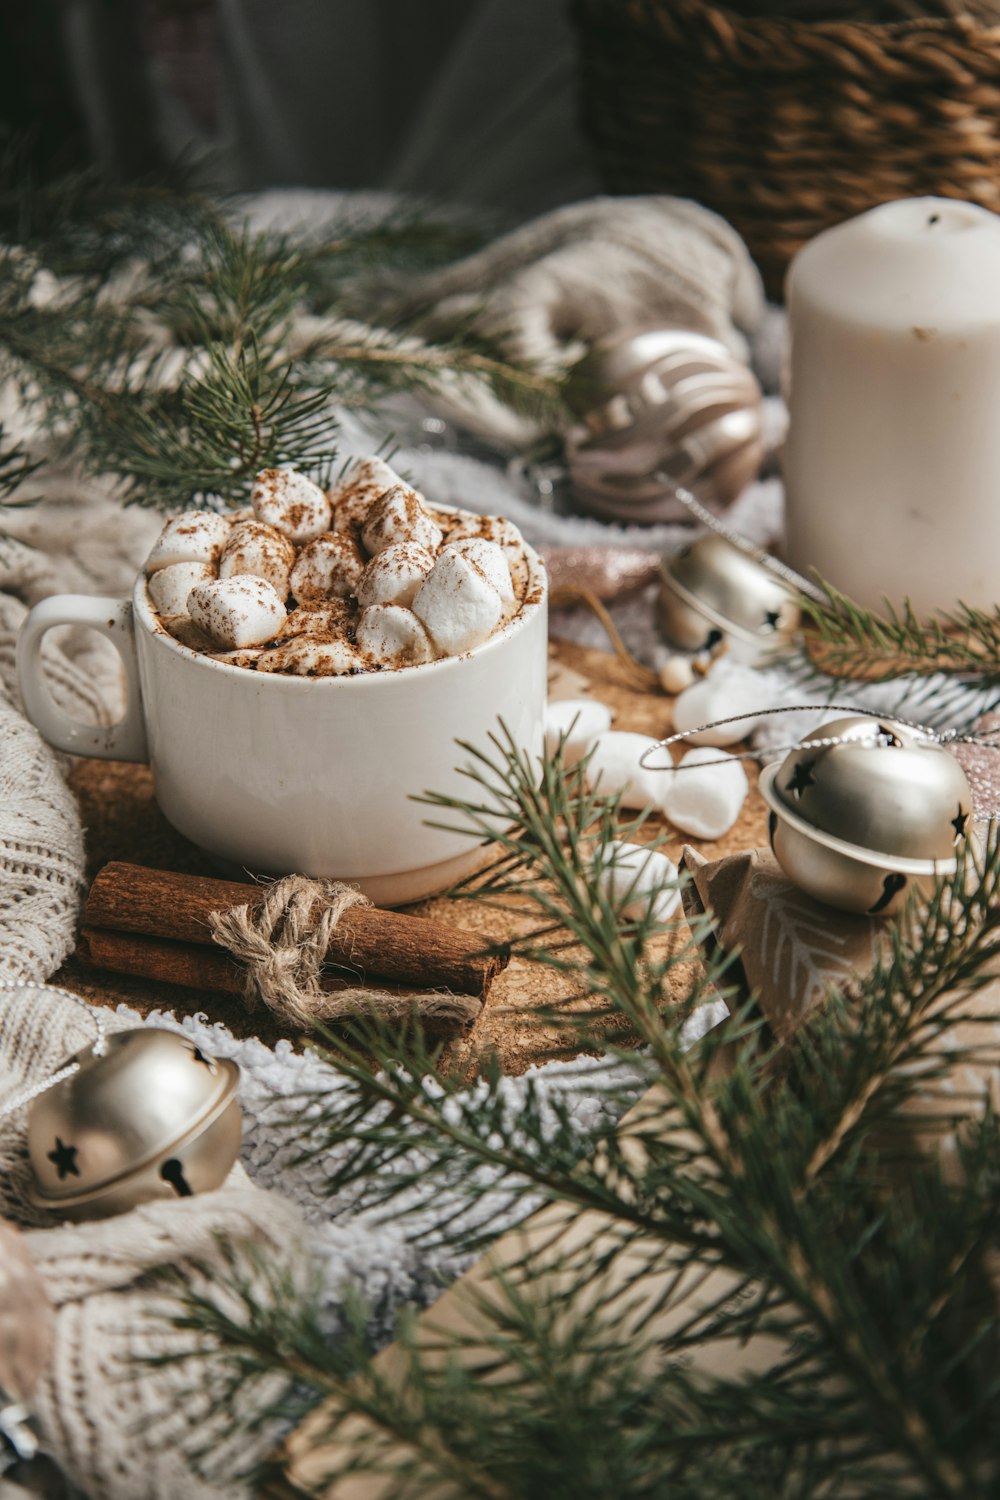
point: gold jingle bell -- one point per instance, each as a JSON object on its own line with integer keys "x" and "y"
{"x": 713, "y": 592}
{"x": 858, "y": 821}
{"x": 657, "y": 408}
{"x": 152, "y": 1116}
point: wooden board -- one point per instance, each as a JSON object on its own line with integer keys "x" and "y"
{"x": 122, "y": 822}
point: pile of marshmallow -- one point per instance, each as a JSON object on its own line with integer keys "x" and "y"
{"x": 365, "y": 577}
{"x": 702, "y": 795}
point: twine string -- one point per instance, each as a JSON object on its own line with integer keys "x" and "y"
{"x": 282, "y": 940}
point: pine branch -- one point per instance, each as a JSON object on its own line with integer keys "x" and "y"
{"x": 205, "y": 441}
{"x": 791, "y": 1176}
{"x": 175, "y": 349}
{"x": 847, "y": 640}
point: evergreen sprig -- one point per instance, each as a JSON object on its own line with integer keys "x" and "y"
{"x": 176, "y": 349}
{"x": 847, "y": 640}
{"x": 845, "y": 1336}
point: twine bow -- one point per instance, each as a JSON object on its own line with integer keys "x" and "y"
{"x": 282, "y": 940}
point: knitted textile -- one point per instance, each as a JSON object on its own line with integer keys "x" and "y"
{"x": 552, "y": 287}
{"x": 122, "y": 1428}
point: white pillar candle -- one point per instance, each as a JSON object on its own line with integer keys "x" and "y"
{"x": 892, "y": 464}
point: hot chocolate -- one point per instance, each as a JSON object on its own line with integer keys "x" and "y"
{"x": 366, "y": 577}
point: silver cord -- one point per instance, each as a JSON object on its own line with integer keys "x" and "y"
{"x": 98, "y": 1047}
{"x": 819, "y": 742}
{"x": 759, "y": 554}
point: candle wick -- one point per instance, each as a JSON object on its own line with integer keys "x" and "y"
{"x": 934, "y": 219}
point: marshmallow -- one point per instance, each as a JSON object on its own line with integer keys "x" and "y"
{"x": 727, "y": 690}
{"x": 196, "y": 536}
{"x": 676, "y": 674}
{"x": 364, "y": 482}
{"x": 306, "y": 657}
{"x": 170, "y": 586}
{"x": 237, "y": 612}
{"x": 399, "y": 516}
{"x": 328, "y": 620}
{"x": 505, "y": 535}
{"x": 259, "y": 551}
{"x": 643, "y": 878}
{"x": 394, "y": 576}
{"x": 291, "y": 503}
{"x": 705, "y": 801}
{"x": 248, "y": 657}
{"x": 581, "y": 720}
{"x": 489, "y": 558}
{"x": 614, "y": 767}
{"x": 329, "y": 566}
{"x": 458, "y": 605}
{"x": 184, "y": 630}
{"x": 393, "y": 636}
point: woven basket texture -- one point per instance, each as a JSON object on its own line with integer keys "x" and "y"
{"x": 787, "y": 126}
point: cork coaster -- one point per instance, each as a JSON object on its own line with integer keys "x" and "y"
{"x": 122, "y": 822}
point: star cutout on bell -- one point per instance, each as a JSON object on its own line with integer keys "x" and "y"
{"x": 772, "y": 619}
{"x": 202, "y": 1057}
{"x": 960, "y": 823}
{"x": 802, "y": 777}
{"x": 63, "y": 1158}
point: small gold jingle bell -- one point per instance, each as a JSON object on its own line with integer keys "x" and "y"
{"x": 713, "y": 592}
{"x": 857, "y": 822}
{"x": 151, "y": 1117}
{"x": 656, "y": 408}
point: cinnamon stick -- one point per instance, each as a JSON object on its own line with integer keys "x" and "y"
{"x": 194, "y": 966}
{"x": 368, "y": 943}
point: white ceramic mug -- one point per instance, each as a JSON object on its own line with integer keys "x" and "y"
{"x": 281, "y": 774}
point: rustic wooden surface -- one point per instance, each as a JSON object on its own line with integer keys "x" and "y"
{"x": 123, "y": 823}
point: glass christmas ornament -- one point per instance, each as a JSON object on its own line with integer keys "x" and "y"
{"x": 656, "y": 408}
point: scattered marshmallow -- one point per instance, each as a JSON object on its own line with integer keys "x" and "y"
{"x": 307, "y": 657}
{"x": 260, "y": 551}
{"x": 400, "y": 516}
{"x": 393, "y": 636}
{"x": 489, "y": 558}
{"x": 364, "y": 482}
{"x": 581, "y": 720}
{"x": 647, "y": 878}
{"x": 395, "y": 574}
{"x": 705, "y": 801}
{"x": 237, "y": 612}
{"x": 727, "y": 690}
{"x": 291, "y": 503}
{"x": 614, "y": 767}
{"x": 458, "y": 605}
{"x": 329, "y": 566}
{"x": 676, "y": 674}
{"x": 196, "y": 536}
{"x": 169, "y": 587}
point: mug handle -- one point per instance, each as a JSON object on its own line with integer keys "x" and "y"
{"x": 125, "y": 740}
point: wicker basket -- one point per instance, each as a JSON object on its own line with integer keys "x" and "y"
{"x": 783, "y": 126}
